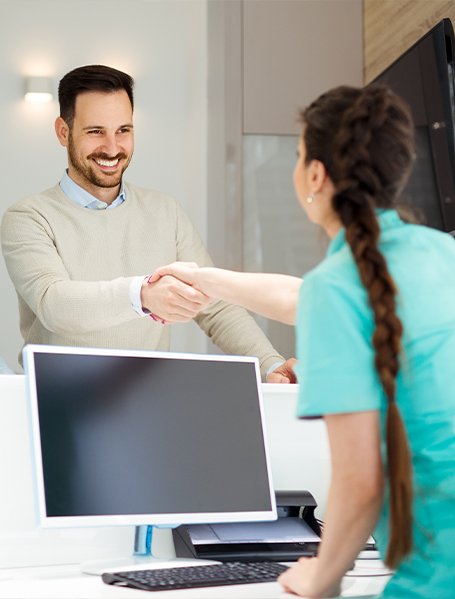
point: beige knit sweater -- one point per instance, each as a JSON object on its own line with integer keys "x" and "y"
{"x": 72, "y": 270}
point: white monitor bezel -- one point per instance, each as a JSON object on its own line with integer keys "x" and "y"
{"x": 170, "y": 520}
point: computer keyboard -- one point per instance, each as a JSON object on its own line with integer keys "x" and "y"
{"x": 226, "y": 573}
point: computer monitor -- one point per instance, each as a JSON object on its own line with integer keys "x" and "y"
{"x": 425, "y": 77}
{"x": 135, "y": 437}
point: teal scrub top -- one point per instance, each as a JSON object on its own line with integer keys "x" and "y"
{"x": 337, "y": 375}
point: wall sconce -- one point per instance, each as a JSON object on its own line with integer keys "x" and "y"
{"x": 38, "y": 89}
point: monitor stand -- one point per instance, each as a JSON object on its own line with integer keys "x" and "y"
{"x": 141, "y": 559}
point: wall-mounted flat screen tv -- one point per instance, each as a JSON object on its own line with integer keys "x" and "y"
{"x": 424, "y": 77}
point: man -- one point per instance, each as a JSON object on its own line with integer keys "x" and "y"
{"x": 79, "y": 254}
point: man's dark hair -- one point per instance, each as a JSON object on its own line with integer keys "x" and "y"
{"x": 91, "y": 78}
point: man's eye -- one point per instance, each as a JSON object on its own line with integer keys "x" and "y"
{"x": 125, "y": 130}
{"x": 94, "y": 131}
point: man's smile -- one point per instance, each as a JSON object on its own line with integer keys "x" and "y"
{"x": 108, "y": 163}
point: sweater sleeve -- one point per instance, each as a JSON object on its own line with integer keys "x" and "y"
{"x": 41, "y": 280}
{"x": 235, "y": 332}
{"x": 230, "y": 327}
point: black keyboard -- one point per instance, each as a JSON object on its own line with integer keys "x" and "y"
{"x": 187, "y": 577}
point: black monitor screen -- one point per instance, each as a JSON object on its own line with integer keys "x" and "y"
{"x": 180, "y": 439}
{"x": 424, "y": 77}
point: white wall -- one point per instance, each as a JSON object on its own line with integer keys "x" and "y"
{"x": 162, "y": 44}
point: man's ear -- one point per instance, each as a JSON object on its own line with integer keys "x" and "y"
{"x": 62, "y": 131}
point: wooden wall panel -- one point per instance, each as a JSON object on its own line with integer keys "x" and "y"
{"x": 392, "y": 26}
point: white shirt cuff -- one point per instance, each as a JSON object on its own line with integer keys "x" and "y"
{"x": 273, "y": 367}
{"x": 135, "y": 295}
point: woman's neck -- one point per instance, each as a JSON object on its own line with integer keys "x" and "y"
{"x": 332, "y": 227}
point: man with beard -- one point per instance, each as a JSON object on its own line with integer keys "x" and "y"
{"x": 80, "y": 253}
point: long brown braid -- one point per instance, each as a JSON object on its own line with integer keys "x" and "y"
{"x": 364, "y": 137}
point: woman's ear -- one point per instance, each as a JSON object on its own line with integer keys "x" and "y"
{"x": 317, "y": 176}
{"x": 62, "y": 131}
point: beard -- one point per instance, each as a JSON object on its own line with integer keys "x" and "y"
{"x": 89, "y": 172}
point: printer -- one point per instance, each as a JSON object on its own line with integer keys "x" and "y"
{"x": 294, "y": 534}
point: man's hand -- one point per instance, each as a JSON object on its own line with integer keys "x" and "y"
{"x": 284, "y": 373}
{"x": 172, "y": 300}
{"x": 305, "y": 579}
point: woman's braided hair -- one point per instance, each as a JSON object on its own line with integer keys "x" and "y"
{"x": 364, "y": 138}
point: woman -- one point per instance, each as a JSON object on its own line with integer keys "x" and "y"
{"x": 375, "y": 347}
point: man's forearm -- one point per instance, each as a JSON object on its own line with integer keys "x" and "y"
{"x": 235, "y": 331}
{"x": 83, "y": 306}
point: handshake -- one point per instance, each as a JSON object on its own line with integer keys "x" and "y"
{"x": 179, "y": 291}
{"x": 176, "y": 293}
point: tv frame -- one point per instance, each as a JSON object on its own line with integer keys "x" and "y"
{"x": 158, "y": 519}
{"x": 430, "y": 92}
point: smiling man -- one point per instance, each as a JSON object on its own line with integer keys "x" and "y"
{"x": 98, "y": 134}
{"x": 80, "y": 253}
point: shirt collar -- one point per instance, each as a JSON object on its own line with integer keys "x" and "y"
{"x": 387, "y": 220}
{"x": 80, "y": 196}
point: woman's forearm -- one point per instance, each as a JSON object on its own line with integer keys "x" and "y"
{"x": 356, "y": 489}
{"x": 349, "y": 521}
{"x": 355, "y": 498}
{"x": 271, "y": 295}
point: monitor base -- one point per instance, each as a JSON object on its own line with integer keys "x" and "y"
{"x": 142, "y": 558}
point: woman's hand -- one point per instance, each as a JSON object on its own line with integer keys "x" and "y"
{"x": 306, "y": 580}
{"x": 170, "y": 300}
{"x": 271, "y": 295}
{"x": 184, "y": 271}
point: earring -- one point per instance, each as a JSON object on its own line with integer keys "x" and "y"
{"x": 310, "y": 199}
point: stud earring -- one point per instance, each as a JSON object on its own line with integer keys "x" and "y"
{"x": 310, "y": 199}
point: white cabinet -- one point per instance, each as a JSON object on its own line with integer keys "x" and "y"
{"x": 267, "y": 59}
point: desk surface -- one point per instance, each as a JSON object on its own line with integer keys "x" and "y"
{"x": 67, "y": 582}
{"x": 292, "y": 443}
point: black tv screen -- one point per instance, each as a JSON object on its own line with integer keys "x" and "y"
{"x": 424, "y": 77}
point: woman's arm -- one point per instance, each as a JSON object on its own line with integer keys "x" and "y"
{"x": 271, "y": 295}
{"x": 355, "y": 498}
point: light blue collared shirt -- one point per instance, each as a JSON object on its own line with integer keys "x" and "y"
{"x": 83, "y": 198}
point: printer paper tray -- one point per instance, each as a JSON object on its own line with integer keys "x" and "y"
{"x": 278, "y": 552}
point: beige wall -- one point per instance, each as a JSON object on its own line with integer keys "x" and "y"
{"x": 392, "y": 26}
